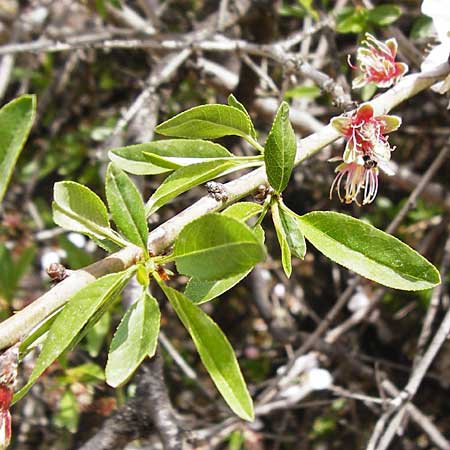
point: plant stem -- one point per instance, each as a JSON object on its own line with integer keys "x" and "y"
{"x": 16, "y": 327}
{"x": 254, "y": 143}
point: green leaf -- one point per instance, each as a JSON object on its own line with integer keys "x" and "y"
{"x": 368, "y": 251}
{"x": 422, "y": 28}
{"x": 215, "y": 352}
{"x": 37, "y": 335}
{"x": 12, "y": 271}
{"x": 67, "y": 415}
{"x": 73, "y": 318}
{"x": 142, "y": 159}
{"x": 214, "y": 246}
{"x": 135, "y": 338}
{"x": 207, "y": 122}
{"x": 6, "y": 273}
{"x": 85, "y": 373}
{"x": 282, "y": 240}
{"x": 351, "y": 20}
{"x": 126, "y": 206}
{"x": 184, "y": 179}
{"x": 310, "y": 92}
{"x": 368, "y": 91}
{"x": 280, "y": 149}
{"x": 293, "y": 232}
{"x": 96, "y": 336}
{"x": 16, "y": 119}
{"x": 243, "y": 211}
{"x": 235, "y": 103}
{"x": 201, "y": 291}
{"x": 384, "y": 14}
{"x": 77, "y": 208}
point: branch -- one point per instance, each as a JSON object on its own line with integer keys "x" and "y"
{"x": 15, "y": 327}
{"x": 149, "y": 410}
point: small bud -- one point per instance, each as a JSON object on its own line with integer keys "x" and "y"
{"x": 57, "y": 272}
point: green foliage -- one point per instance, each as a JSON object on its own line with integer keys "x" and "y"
{"x": 12, "y": 271}
{"x": 301, "y": 9}
{"x": 207, "y": 122}
{"x": 135, "y": 338}
{"x": 368, "y": 91}
{"x": 289, "y": 235}
{"x": 186, "y": 178}
{"x": 16, "y": 119}
{"x": 96, "y": 336}
{"x": 166, "y": 155}
{"x": 309, "y": 92}
{"x": 422, "y": 28}
{"x": 384, "y": 15}
{"x": 280, "y": 150}
{"x": 368, "y": 251}
{"x": 215, "y": 352}
{"x": 214, "y": 246}
{"x": 77, "y": 208}
{"x": 243, "y": 211}
{"x": 126, "y": 206}
{"x": 236, "y": 440}
{"x": 351, "y": 20}
{"x": 294, "y": 236}
{"x": 201, "y": 291}
{"x": 358, "y": 19}
{"x": 235, "y": 103}
{"x": 84, "y": 373}
{"x": 282, "y": 239}
{"x": 67, "y": 415}
{"x": 68, "y": 327}
{"x": 215, "y": 250}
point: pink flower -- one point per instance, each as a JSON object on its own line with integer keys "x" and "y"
{"x": 366, "y": 151}
{"x": 376, "y": 60}
{"x": 365, "y": 133}
{"x": 358, "y": 179}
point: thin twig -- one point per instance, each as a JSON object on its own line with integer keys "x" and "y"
{"x": 381, "y": 441}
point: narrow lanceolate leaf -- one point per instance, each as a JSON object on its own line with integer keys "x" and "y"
{"x": 215, "y": 352}
{"x": 166, "y": 155}
{"x": 184, "y": 179}
{"x": 215, "y": 246}
{"x": 293, "y": 232}
{"x": 233, "y": 101}
{"x": 368, "y": 251}
{"x": 135, "y": 338}
{"x": 207, "y": 122}
{"x": 282, "y": 240}
{"x": 77, "y": 208}
{"x": 280, "y": 149}
{"x": 126, "y": 206}
{"x": 201, "y": 291}
{"x": 73, "y": 318}
{"x": 16, "y": 119}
